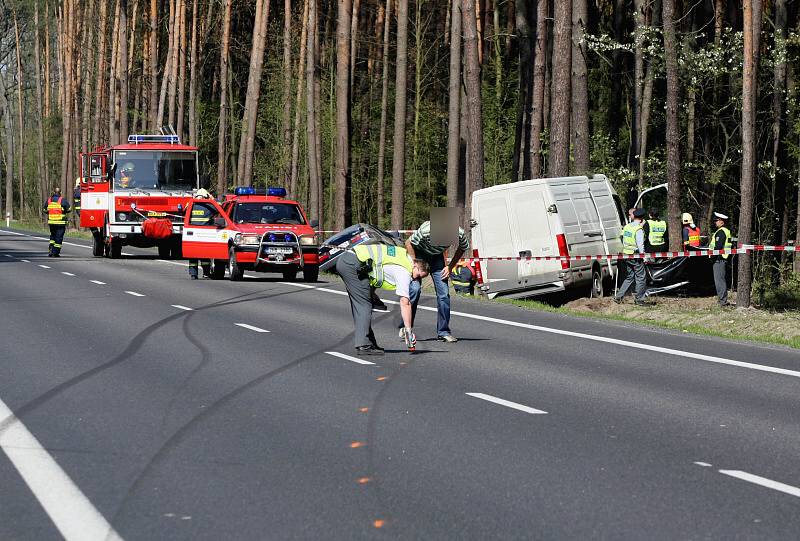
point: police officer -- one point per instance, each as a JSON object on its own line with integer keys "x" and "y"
{"x": 380, "y": 266}
{"x": 419, "y": 245}
{"x": 57, "y": 209}
{"x": 721, "y": 241}
{"x": 690, "y": 232}
{"x": 633, "y": 243}
{"x": 656, "y": 233}
{"x": 195, "y": 263}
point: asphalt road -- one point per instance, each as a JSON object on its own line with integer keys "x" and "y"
{"x": 148, "y": 406}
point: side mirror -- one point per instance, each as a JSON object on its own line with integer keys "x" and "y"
{"x": 180, "y": 207}
{"x": 111, "y": 171}
{"x": 314, "y": 223}
{"x": 219, "y": 222}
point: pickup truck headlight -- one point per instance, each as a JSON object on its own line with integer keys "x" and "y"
{"x": 246, "y": 240}
{"x": 308, "y": 240}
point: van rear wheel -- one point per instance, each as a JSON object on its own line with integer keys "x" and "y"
{"x": 597, "y": 290}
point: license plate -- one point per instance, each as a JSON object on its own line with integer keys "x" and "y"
{"x": 156, "y": 214}
{"x": 280, "y": 250}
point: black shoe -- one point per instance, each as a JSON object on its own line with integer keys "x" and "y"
{"x": 50, "y": 254}
{"x": 369, "y": 350}
{"x": 193, "y": 277}
{"x": 642, "y": 303}
{"x": 618, "y": 300}
{"x": 378, "y": 306}
{"x": 56, "y": 255}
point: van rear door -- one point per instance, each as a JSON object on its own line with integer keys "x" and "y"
{"x": 493, "y": 237}
{"x": 533, "y": 235}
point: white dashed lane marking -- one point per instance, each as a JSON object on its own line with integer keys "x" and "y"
{"x": 24, "y": 260}
{"x": 44, "y": 266}
{"x": 348, "y": 357}
{"x": 250, "y": 327}
{"x": 135, "y": 294}
{"x": 181, "y": 307}
{"x": 67, "y": 273}
{"x": 98, "y": 282}
{"x": 507, "y": 403}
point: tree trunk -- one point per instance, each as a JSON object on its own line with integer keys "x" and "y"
{"x": 113, "y": 120}
{"x": 580, "y": 90}
{"x": 778, "y": 120}
{"x": 558, "y": 161}
{"x": 342, "y": 215}
{"x": 472, "y": 83}
{"x": 673, "y": 126}
{"x": 123, "y": 71}
{"x": 314, "y": 173}
{"x": 152, "y": 68}
{"x": 354, "y": 40}
{"x": 387, "y": 24}
{"x": 247, "y": 141}
{"x": 223, "y": 100}
{"x": 21, "y": 126}
{"x": 752, "y": 31}
{"x": 67, "y": 38}
{"x": 401, "y": 81}
{"x": 173, "y": 53}
{"x": 47, "y": 89}
{"x": 182, "y": 41}
{"x": 43, "y": 180}
{"x": 193, "y": 72}
{"x": 9, "y": 123}
{"x": 644, "y": 121}
{"x": 301, "y": 63}
{"x": 286, "y": 119}
{"x": 88, "y": 80}
{"x": 521, "y": 154}
{"x": 454, "y": 106}
{"x": 539, "y": 84}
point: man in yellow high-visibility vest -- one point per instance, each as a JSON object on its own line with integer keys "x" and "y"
{"x": 721, "y": 241}
{"x": 633, "y": 243}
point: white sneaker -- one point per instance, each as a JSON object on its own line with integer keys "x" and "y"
{"x": 402, "y": 334}
{"x": 448, "y": 338}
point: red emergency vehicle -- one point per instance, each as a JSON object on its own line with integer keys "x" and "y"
{"x": 253, "y": 229}
{"x": 134, "y": 194}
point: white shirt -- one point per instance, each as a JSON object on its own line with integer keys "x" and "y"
{"x": 398, "y": 275}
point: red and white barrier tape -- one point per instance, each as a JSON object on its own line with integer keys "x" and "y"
{"x": 403, "y": 231}
{"x": 655, "y": 255}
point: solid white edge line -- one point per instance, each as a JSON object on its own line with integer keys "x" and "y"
{"x": 135, "y": 294}
{"x": 98, "y": 282}
{"x": 507, "y": 403}
{"x": 24, "y": 260}
{"x": 348, "y": 357}
{"x": 607, "y": 340}
{"x": 67, "y": 506}
{"x": 250, "y": 327}
{"x": 762, "y": 481}
{"x": 45, "y": 267}
{"x": 8, "y": 255}
{"x": 65, "y": 273}
{"x": 181, "y": 307}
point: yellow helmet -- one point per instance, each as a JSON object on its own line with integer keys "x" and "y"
{"x": 687, "y": 218}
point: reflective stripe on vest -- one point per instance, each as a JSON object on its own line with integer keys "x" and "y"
{"x": 728, "y": 245}
{"x": 694, "y": 236}
{"x": 629, "y": 245}
{"x": 455, "y": 276}
{"x": 55, "y": 212}
{"x": 380, "y": 255}
{"x": 658, "y": 229}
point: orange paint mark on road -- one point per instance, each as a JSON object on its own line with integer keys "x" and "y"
{"x": 357, "y": 444}
{"x": 382, "y": 378}
{"x": 378, "y": 523}
{"x": 363, "y": 480}
{"x": 363, "y": 410}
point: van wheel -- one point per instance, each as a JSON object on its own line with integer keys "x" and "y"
{"x": 235, "y": 272}
{"x": 115, "y": 251}
{"x": 597, "y": 290}
{"x": 98, "y": 245}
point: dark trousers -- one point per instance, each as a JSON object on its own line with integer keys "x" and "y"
{"x": 56, "y": 238}
{"x": 358, "y": 289}
{"x": 721, "y": 280}
{"x": 635, "y": 273}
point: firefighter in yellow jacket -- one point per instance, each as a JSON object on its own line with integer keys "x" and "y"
{"x": 380, "y": 266}
{"x": 57, "y": 209}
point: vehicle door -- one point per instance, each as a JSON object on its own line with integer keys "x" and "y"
{"x": 493, "y": 239}
{"x": 533, "y": 236}
{"x": 205, "y": 231}
{"x": 94, "y": 189}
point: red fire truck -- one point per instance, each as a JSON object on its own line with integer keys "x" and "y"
{"x": 253, "y": 229}
{"x": 135, "y": 193}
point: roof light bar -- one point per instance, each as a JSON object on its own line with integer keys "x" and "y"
{"x": 135, "y": 139}
{"x": 249, "y": 190}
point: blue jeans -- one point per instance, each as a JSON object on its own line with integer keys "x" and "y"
{"x": 442, "y": 295}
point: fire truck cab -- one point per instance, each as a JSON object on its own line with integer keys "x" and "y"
{"x": 252, "y": 229}
{"x": 135, "y": 193}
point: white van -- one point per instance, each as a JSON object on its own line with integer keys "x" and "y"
{"x": 546, "y": 217}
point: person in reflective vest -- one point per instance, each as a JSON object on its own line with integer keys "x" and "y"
{"x": 57, "y": 209}
{"x": 633, "y": 243}
{"x": 76, "y": 197}
{"x": 656, "y": 234}
{"x": 381, "y": 266}
{"x": 690, "y": 233}
{"x": 463, "y": 278}
{"x": 201, "y": 215}
{"x": 721, "y": 241}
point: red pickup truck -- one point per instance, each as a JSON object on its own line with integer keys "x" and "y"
{"x": 253, "y": 229}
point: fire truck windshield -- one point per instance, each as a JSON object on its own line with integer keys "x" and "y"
{"x": 267, "y": 213}
{"x": 155, "y": 170}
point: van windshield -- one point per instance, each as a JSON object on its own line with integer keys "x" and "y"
{"x": 155, "y": 170}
